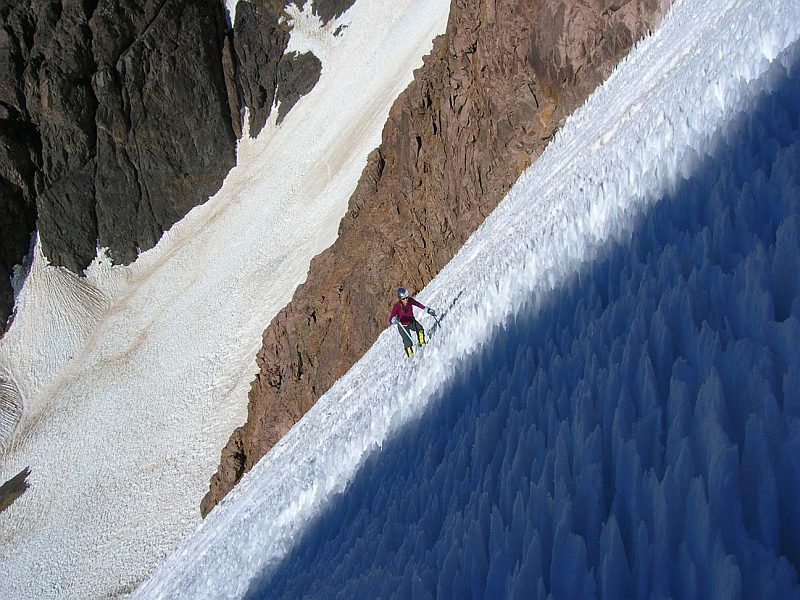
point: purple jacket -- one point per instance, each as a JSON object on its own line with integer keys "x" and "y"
{"x": 405, "y": 313}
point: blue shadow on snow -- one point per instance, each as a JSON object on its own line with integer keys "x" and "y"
{"x": 636, "y": 437}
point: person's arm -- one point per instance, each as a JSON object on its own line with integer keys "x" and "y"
{"x": 393, "y": 314}
{"x": 427, "y": 309}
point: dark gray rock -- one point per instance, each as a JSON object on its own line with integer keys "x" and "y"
{"x": 260, "y": 42}
{"x": 116, "y": 120}
{"x": 20, "y": 149}
{"x": 331, "y": 9}
{"x": 6, "y": 298}
{"x": 230, "y": 68}
{"x": 66, "y": 240}
{"x": 267, "y": 73}
{"x": 119, "y": 116}
{"x": 297, "y": 75}
{"x": 165, "y": 139}
{"x": 14, "y": 488}
{"x": 17, "y": 220}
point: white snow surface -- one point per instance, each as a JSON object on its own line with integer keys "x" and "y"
{"x": 636, "y": 139}
{"x": 131, "y": 379}
{"x": 230, "y": 11}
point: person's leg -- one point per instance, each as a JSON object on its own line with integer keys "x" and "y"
{"x": 420, "y": 331}
{"x": 408, "y": 342}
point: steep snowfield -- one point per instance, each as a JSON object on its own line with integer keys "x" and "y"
{"x": 611, "y": 405}
{"x": 131, "y": 379}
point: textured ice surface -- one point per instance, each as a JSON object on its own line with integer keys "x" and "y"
{"x": 635, "y": 434}
{"x": 611, "y": 406}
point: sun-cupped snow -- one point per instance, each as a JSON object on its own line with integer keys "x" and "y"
{"x": 300, "y": 522}
{"x": 635, "y": 434}
{"x": 127, "y": 383}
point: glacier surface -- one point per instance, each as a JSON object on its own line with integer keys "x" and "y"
{"x": 612, "y": 404}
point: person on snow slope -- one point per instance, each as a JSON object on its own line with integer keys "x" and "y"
{"x": 402, "y": 315}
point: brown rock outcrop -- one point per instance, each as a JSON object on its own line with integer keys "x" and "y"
{"x": 494, "y": 90}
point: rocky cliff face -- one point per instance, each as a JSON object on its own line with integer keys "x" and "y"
{"x": 20, "y": 152}
{"x": 494, "y": 90}
{"x": 268, "y": 74}
{"x": 116, "y": 121}
{"x": 119, "y": 116}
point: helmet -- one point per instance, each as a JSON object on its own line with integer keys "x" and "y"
{"x": 402, "y": 293}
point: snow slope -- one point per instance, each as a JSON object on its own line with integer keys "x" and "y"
{"x": 130, "y": 381}
{"x": 611, "y": 406}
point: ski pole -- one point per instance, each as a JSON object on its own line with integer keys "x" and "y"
{"x": 408, "y": 335}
